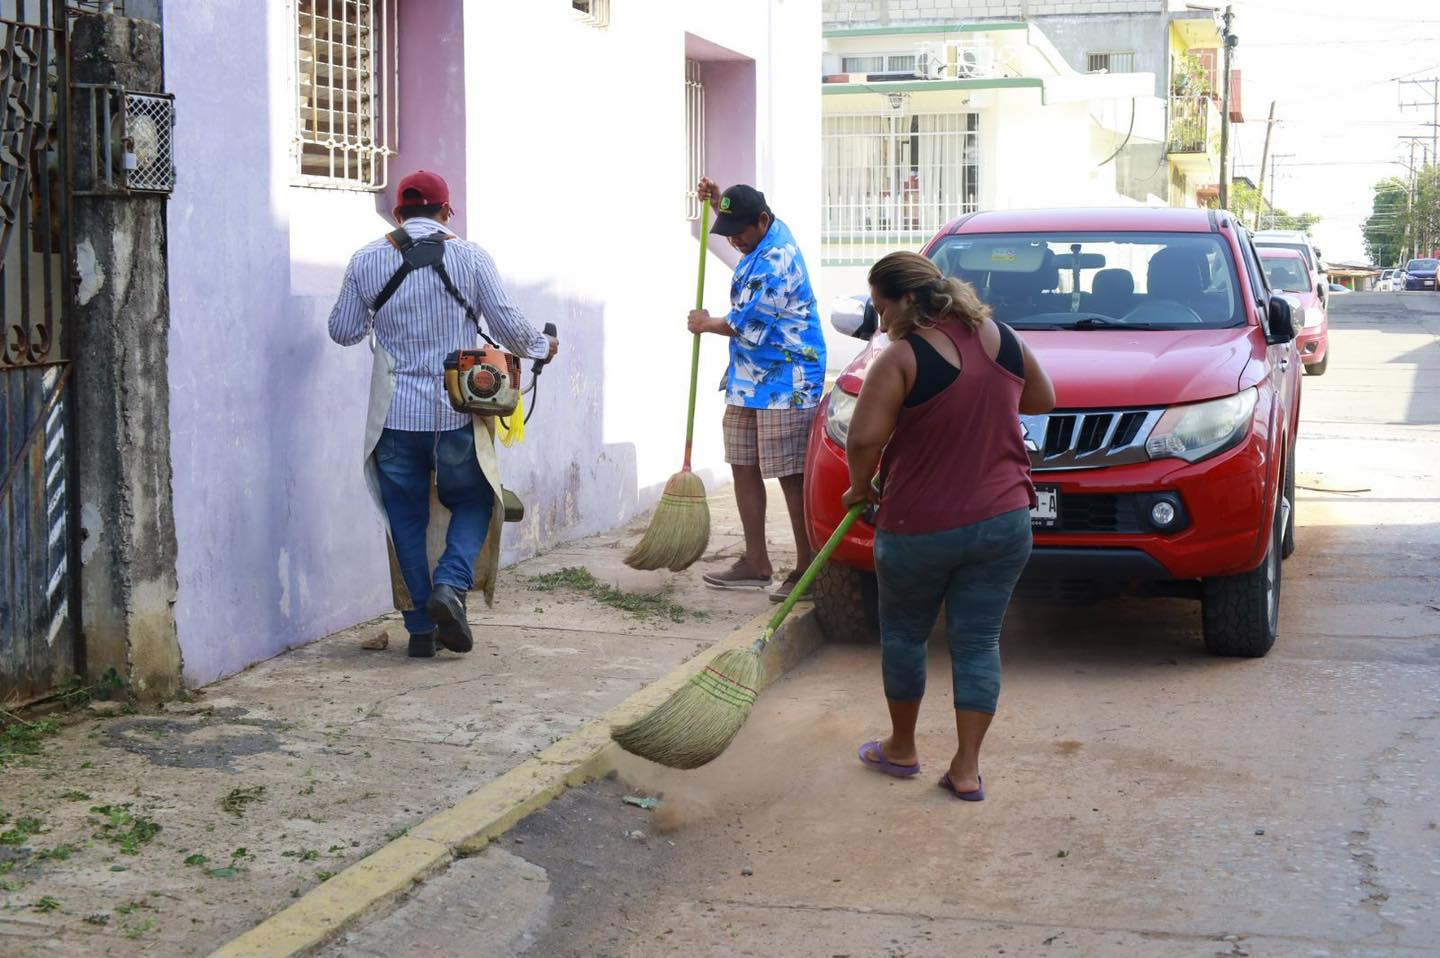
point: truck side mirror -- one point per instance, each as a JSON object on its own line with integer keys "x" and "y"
{"x": 854, "y": 316}
{"x": 1280, "y": 327}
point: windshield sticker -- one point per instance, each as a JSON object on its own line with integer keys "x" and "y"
{"x": 1003, "y": 255}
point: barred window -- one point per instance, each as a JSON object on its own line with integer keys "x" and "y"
{"x": 345, "y": 61}
{"x": 594, "y": 12}
{"x": 862, "y": 64}
{"x": 694, "y": 137}
{"x": 1110, "y": 63}
{"x": 891, "y": 180}
{"x": 879, "y": 63}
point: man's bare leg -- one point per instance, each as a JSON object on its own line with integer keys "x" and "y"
{"x": 750, "y": 497}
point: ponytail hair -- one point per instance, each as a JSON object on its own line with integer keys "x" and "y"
{"x": 937, "y": 297}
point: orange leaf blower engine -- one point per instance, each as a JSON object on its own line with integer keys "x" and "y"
{"x": 483, "y": 382}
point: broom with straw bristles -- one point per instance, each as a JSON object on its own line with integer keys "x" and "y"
{"x": 698, "y": 722}
{"x": 680, "y": 529}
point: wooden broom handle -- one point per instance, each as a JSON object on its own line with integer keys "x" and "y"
{"x": 695, "y": 347}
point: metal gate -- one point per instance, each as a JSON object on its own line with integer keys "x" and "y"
{"x": 39, "y": 559}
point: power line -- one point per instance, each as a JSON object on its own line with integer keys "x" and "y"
{"x": 1384, "y": 41}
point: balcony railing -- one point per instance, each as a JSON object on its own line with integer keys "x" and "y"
{"x": 1193, "y": 121}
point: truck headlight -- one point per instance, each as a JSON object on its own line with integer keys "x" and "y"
{"x": 1314, "y": 316}
{"x": 837, "y": 416}
{"x": 1200, "y": 430}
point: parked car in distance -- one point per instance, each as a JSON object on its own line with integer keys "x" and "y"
{"x": 1420, "y": 273}
{"x": 1168, "y": 464}
{"x": 1285, "y": 272}
{"x": 1300, "y": 242}
{"x": 1382, "y": 282}
{"x": 1337, "y": 288}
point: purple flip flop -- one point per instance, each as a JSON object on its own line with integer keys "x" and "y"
{"x": 873, "y": 756}
{"x": 976, "y": 796}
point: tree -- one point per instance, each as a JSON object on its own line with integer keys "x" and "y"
{"x": 1387, "y": 226}
{"x": 1399, "y": 226}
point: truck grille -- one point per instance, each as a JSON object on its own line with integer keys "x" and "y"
{"x": 1087, "y": 440}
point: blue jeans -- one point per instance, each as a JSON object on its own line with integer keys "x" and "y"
{"x": 405, "y": 461}
{"x": 973, "y": 570}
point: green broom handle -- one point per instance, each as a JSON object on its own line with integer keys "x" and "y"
{"x": 808, "y": 578}
{"x": 695, "y": 348}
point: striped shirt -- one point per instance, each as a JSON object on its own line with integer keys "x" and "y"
{"x": 422, "y": 323}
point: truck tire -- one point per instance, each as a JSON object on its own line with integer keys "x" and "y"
{"x": 847, "y": 604}
{"x": 1288, "y": 547}
{"x": 1318, "y": 369}
{"x": 1240, "y": 614}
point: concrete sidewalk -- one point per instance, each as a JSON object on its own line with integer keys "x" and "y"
{"x": 170, "y": 833}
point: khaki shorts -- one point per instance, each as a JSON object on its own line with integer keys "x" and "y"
{"x": 773, "y": 439}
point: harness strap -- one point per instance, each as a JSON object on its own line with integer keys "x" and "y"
{"x": 402, "y": 241}
{"x": 420, "y": 254}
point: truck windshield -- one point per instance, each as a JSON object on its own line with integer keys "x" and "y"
{"x": 1142, "y": 280}
{"x": 1287, "y": 274}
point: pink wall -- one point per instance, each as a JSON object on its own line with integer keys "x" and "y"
{"x": 432, "y": 98}
{"x": 730, "y": 120}
{"x": 729, "y": 80}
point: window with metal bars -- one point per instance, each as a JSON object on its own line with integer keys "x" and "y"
{"x": 891, "y": 180}
{"x": 345, "y": 61}
{"x": 594, "y": 12}
{"x": 694, "y": 137}
{"x": 1110, "y": 63}
{"x": 879, "y": 63}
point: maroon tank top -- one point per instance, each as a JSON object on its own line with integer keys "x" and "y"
{"x": 958, "y": 458}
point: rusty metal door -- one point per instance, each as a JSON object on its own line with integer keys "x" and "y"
{"x": 39, "y": 557}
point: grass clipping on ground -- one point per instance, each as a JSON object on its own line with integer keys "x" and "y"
{"x": 579, "y": 580}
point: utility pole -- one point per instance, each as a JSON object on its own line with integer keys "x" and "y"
{"x": 1273, "y": 158}
{"x": 1433, "y": 103}
{"x": 1412, "y": 238}
{"x": 1230, "y": 41}
{"x": 1264, "y": 158}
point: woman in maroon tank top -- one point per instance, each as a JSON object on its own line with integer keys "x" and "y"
{"x": 953, "y": 519}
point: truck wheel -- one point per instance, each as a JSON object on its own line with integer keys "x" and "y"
{"x": 1318, "y": 369}
{"x": 1240, "y": 614}
{"x": 1288, "y": 547}
{"x": 848, "y": 605}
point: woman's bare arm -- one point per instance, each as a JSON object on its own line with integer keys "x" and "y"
{"x": 874, "y": 419}
{"x": 1039, "y": 393}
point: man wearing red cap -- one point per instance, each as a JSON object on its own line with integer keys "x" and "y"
{"x": 418, "y": 316}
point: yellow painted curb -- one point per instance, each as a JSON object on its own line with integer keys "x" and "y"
{"x": 488, "y": 812}
{"x": 382, "y": 876}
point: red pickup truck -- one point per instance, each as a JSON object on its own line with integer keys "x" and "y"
{"x": 1168, "y": 464}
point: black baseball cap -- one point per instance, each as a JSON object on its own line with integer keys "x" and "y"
{"x": 740, "y": 206}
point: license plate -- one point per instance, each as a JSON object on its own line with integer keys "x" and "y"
{"x": 1046, "y": 513}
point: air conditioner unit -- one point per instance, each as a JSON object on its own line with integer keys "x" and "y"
{"x": 956, "y": 61}
{"x": 971, "y": 61}
{"x": 932, "y": 64}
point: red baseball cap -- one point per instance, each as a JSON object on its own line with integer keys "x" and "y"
{"x": 425, "y": 189}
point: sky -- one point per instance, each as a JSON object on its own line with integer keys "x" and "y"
{"x": 1332, "y": 67}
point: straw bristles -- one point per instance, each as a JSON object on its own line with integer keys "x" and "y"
{"x": 700, "y": 720}
{"x": 679, "y": 531}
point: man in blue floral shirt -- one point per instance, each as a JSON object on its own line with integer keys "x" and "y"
{"x": 775, "y": 379}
